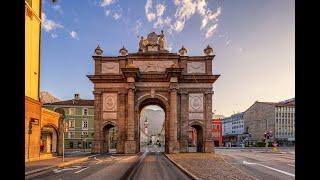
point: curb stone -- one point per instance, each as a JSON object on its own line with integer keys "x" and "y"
{"x": 60, "y": 165}
{"x": 182, "y": 168}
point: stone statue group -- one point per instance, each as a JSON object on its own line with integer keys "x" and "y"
{"x": 153, "y": 39}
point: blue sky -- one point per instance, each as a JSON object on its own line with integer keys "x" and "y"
{"x": 253, "y": 41}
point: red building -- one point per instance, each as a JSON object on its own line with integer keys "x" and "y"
{"x": 217, "y": 130}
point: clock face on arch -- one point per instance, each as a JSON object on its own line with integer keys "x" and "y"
{"x": 109, "y": 101}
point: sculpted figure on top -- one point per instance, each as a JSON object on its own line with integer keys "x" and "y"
{"x": 154, "y": 42}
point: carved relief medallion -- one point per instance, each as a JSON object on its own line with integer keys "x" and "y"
{"x": 110, "y": 67}
{"x": 157, "y": 66}
{"x": 109, "y": 102}
{"x": 196, "y": 102}
{"x": 196, "y": 67}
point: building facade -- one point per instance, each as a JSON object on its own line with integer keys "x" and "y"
{"x": 233, "y": 130}
{"x": 181, "y": 85}
{"x": 277, "y": 118}
{"x": 284, "y": 132}
{"x": 41, "y": 125}
{"x": 217, "y": 131}
{"x": 79, "y": 116}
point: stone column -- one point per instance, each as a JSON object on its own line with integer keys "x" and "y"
{"x": 130, "y": 72}
{"x": 208, "y": 140}
{"x": 173, "y": 141}
{"x": 97, "y": 136}
{"x": 130, "y": 145}
{"x": 184, "y": 121}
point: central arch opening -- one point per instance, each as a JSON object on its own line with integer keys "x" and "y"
{"x": 152, "y": 127}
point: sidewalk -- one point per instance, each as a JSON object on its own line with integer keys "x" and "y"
{"x": 37, "y": 166}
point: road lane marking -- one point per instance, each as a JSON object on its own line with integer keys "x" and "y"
{"x": 99, "y": 160}
{"x": 278, "y": 170}
{"x": 66, "y": 169}
{"x": 81, "y": 170}
{"x": 291, "y": 165}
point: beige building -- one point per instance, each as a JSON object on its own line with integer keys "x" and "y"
{"x": 277, "y": 118}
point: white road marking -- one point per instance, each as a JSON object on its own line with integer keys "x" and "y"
{"x": 81, "y": 170}
{"x": 99, "y": 160}
{"x": 284, "y": 172}
{"x": 291, "y": 165}
{"x": 66, "y": 169}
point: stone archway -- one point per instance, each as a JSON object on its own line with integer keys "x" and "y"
{"x": 199, "y": 138}
{"x": 160, "y": 101}
{"x": 48, "y": 139}
{"x": 109, "y": 138}
{"x": 180, "y": 84}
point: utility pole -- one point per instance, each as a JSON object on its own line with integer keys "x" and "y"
{"x": 65, "y": 129}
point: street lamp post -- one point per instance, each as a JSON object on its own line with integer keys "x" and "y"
{"x": 65, "y": 129}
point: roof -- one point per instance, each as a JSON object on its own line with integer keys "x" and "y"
{"x": 73, "y": 102}
{"x": 288, "y": 102}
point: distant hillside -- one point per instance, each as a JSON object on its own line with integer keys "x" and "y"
{"x": 155, "y": 120}
{"x": 46, "y": 97}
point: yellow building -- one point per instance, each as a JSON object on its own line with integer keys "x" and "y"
{"x": 41, "y": 125}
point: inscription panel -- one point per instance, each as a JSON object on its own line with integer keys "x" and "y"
{"x": 110, "y": 68}
{"x": 109, "y": 102}
{"x": 196, "y": 102}
{"x": 196, "y": 116}
{"x": 153, "y": 66}
{"x": 109, "y": 115}
{"x": 196, "y": 67}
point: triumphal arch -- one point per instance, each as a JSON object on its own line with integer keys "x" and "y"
{"x": 180, "y": 84}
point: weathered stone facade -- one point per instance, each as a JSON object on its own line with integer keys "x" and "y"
{"x": 258, "y": 119}
{"x": 136, "y": 80}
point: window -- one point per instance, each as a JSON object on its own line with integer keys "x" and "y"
{"x": 71, "y": 134}
{"x": 218, "y": 126}
{"x": 71, "y": 123}
{"x": 85, "y": 111}
{"x": 72, "y": 111}
{"x": 85, "y": 124}
{"x": 71, "y": 145}
{"x": 84, "y": 134}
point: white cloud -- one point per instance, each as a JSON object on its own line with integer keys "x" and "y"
{"x": 54, "y": 35}
{"x": 57, "y": 8}
{"x": 211, "y": 30}
{"x": 162, "y": 22}
{"x": 138, "y": 26}
{"x": 107, "y": 12}
{"x": 160, "y": 9}
{"x": 185, "y": 10}
{"x": 105, "y": 3}
{"x": 49, "y": 25}
{"x": 74, "y": 35}
{"x": 178, "y": 26}
{"x": 150, "y": 15}
{"x": 116, "y": 16}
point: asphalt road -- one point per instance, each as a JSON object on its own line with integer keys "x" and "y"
{"x": 96, "y": 166}
{"x": 156, "y": 166}
{"x": 262, "y": 164}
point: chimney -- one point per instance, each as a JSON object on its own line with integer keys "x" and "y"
{"x": 77, "y": 96}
